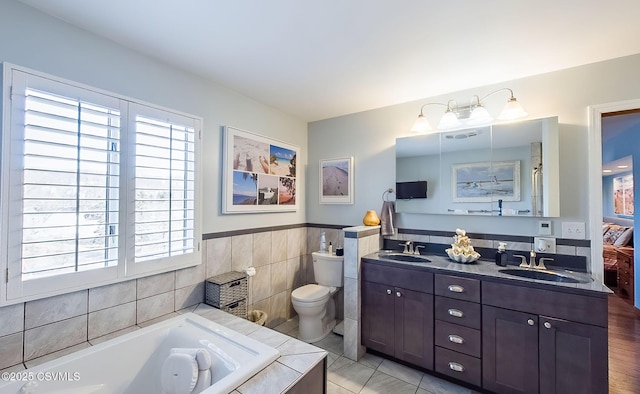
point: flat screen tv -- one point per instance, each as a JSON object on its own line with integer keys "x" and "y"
{"x": 410, "y": 190}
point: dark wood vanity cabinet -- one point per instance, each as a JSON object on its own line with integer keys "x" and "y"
{"x": 397, "y": 313}
{"x": 503, "y": 336}
{"x": 527, "y": 351}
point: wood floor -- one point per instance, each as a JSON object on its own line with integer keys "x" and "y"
{"x": 624, "y": 347}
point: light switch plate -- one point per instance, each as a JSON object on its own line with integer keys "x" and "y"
{"x": 573, "y": 230}
{"x": 544, "y": 227}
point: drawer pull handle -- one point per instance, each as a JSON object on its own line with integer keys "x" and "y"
{"x": 233, "y": 306}
{"x": 456, "y": 288}
{"x": 456, "y": 339}
{"x": 547, "y": 324}
{"x": 388, "y": 291}
{"x": 456, "y": 367}
{"x": 234, "y": 284}
{"x": 398, "y": 294}
{"x": 530, "y": 322}
{"x": 456, "y": 313}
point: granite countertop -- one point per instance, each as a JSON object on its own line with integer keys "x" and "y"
{"x": 296, "y": 359}
{"x": 486, "y": 269}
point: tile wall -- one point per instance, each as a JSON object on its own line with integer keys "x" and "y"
{"x": 36, "y": 331}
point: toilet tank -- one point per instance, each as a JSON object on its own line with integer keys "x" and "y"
{"x": 328, "y": 269}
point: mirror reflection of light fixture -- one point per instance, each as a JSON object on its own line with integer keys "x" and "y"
{"x": 474, "y": 114}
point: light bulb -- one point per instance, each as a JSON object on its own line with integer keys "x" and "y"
{"x": 449, "y": 121}
{"x": 512, "y": 110}
{"x": 479, "y": 116}
{"x": 421, "y": 125}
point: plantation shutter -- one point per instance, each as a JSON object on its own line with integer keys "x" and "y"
{"x": 165, "y": 188}
{"x": 70, "y": 199}
{"x": 95, "y": 188}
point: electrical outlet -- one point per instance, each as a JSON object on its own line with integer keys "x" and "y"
{"x": 573, "y": 230}
{"x": 544, "y": 244}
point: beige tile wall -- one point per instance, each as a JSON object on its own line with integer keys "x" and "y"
{"x": 29, "y": 331}
{"x": 282, "y": 259}
{"x": 35, "y": 331}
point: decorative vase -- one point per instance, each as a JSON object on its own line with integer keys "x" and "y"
{"x": 371, "y": 218}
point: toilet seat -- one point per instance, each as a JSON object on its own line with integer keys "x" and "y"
{"x": 311, "y": 293}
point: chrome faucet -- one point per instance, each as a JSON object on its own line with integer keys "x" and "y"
{"x": 408, "y": 247}
{"x": 532, "y": 261}
{"x": 416, "y": 249}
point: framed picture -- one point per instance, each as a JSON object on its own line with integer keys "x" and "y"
{"x": 486, "y": 181}
{"x": 336, "y": 181}
{"x": 259, "y": 173}
{"x": 623, "y": 195}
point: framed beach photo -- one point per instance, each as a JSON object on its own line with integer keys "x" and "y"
{"x": 336, "y": 181}
{"x": 623, "y": 195}
{"x": 486, "y": 181}
{"x": 259, "y": 173}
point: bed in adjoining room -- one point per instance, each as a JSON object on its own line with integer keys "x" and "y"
{"x": 617, "y": 239}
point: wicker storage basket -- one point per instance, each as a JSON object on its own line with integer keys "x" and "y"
{"x": 226, "y": 289}
{"x": 238, "y": 308}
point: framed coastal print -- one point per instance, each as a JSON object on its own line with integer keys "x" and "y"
{"x": 623, "y": 195}
{"x": 486, "y": 181}
{"x": 259, "y": 173}
{"x": 336, "y": 181}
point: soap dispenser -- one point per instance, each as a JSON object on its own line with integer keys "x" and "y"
{"x": 501, "y": 254}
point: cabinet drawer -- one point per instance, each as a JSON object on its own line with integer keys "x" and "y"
{"x": 458, "y": 338}
{"x": 397, "y": 276}
{"x": 458, "y": 312}
{"x": 458, "y": 365}
{"x": 573, "y": 307}
{"x": 465, "y": 289}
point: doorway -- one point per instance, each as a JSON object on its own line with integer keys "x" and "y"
{"x": 624, "y": 319}
{"x": 620, "y": 139}
{"x": 597, "y": 113}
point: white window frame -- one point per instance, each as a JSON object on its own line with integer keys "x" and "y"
{"x": 12, "y": 288}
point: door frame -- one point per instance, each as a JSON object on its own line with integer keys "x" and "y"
{"x": 595, "y": 113}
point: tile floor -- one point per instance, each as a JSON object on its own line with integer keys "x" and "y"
{"x": 372, "y": 374}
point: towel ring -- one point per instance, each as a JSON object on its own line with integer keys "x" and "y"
{"x": 385, "y": 194}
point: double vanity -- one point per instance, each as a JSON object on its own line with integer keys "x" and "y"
{"x": 485, "y": 325}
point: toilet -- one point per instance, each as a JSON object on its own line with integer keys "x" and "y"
{"x": 314, "y": 303}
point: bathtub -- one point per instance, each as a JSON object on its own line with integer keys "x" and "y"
{"x": 132, "y": 363}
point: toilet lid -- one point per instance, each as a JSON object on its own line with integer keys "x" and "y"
{"x": 309, "y": 293}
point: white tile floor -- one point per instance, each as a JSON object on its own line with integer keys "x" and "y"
{"x": 372, "y": 374}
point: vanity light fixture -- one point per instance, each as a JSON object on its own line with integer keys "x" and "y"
{"x": 475, "y": 114}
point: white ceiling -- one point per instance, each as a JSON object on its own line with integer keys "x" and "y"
{"x": 320, "y": 59}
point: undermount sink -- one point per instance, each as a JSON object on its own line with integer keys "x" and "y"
{"x": 541, "y": 275}
{"x": 409, "y": 258}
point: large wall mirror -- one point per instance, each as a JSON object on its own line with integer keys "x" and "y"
{"x": 498, "y": 170}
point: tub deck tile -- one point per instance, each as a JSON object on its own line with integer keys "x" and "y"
{"x": 274, "y": 379}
